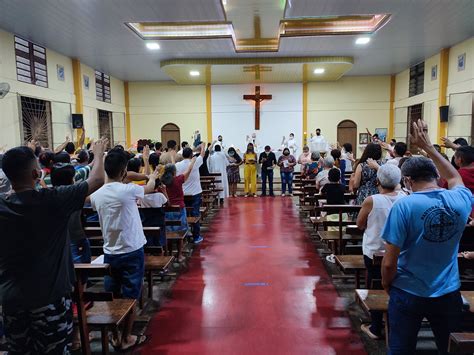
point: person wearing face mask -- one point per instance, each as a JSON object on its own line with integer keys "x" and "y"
{"x": 250, "y": 171}
{"x": 305, "y": 158}
{"x": 290, "y": 144}
{"x": 287, "y": 164}
{"x": 221, "y": 142}
{"x": 318, "y": 143}
{"x": 268, "y": 161}
{"x": 233, "y": 170}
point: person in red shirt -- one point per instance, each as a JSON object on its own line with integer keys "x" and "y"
{"x": 464, "y": 158}
{"x": 174, "y": 188}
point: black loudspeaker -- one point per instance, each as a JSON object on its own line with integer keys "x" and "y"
{"x": 77, "y": 120}
{"x": 443, "y": 113}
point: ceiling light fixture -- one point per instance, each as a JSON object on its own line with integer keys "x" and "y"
{"x": 362, "y": 40}
{"x": 194, "y": 73}
{"x": 153, "y": 46}
{"x": 319, "y": 71}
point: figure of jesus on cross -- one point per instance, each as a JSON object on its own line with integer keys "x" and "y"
{"x": 257, "y": 97}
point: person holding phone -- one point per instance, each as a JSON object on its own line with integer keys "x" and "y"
{"x": 287, "y": 164}
{"x": 268, "y": 161}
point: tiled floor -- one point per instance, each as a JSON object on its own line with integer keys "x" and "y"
{"x": 254, "y": 286}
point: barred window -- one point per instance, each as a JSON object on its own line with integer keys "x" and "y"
{"x": 102, "y": 86}
{"x": 30, "y": 63}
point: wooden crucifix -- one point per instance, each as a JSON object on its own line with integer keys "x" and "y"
{"x": 257, "y": 98}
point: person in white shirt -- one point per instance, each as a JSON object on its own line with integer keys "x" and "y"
{"x": 116, "y": 205}
{"x": 348, "y": 156}
{"x": 218, "y": 163}
{"x": 192, "y": 186}
{"x": 398, "y": 152}
{"x": 372, "y": 218}
{"x": 179, "y": 155}
{"x": 318, "y": 143}
{"x": 290, "y": 143}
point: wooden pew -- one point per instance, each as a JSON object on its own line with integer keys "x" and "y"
{"x": 106, "y": 312}
{"x": 352, "y": 263}
{"x": 461, "y": 343}
{"x": 339, "y": 238}
{"x": 377, "y": 300}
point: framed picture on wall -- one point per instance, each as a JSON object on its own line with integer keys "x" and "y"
{"x": 461, "y": 62}
{"x": 434, "y": 72}
{"x": 363, "y": 138}
{"x": 382, "y": 132}
{"x": 86, "y": 82}
{"x": 60, "y": 72}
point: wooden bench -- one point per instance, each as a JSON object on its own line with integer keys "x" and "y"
{"x": 106, "y": 312}
{"x": 338, "y": 238}
{"x": 461, "y": 343}
{"x": 377, "y": 300}
{"x": 353, "y": 263}
{"x": 155, "y": 264}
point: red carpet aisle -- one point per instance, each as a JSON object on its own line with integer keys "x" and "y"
{"x": 255, "y": 286}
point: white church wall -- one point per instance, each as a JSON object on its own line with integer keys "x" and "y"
{"x": 234, "y": 118}
{"x": 364, "y": 100}
{"x": 154, "y": 104}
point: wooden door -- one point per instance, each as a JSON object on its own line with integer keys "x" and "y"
{"x": 170, "y": 132}
{"x": 347, "y": 133}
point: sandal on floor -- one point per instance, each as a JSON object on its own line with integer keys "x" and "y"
{"x": 141, "y": 339}
{"x": 331, "y": 258}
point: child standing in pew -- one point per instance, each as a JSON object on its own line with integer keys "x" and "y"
{"x": 155, "y": 217}
{"x": 174, "y": 188}
{"x": 122, "y": 230}
{"x": 334, "y": 192}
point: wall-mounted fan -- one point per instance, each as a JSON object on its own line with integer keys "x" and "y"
{"x": 4, "y": 89}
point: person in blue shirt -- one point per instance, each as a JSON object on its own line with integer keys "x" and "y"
{"x": 422, "y": 234}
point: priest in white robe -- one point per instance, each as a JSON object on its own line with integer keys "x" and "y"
{"x": 218, "y": 163}
{"x": 318, "y": 143}
{"x": 290, "y": 143}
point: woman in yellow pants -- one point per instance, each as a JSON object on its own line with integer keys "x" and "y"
{"x": 250, "y": 171}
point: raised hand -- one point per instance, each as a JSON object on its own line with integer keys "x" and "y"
{"x": 419, "y": 135}
{"x": 448, "y": 144}
{"x": 373, "y": 164}
{"x": 154, "y": 175}
{"x": 146, "y": 152}
{"x": 98, "y": 148}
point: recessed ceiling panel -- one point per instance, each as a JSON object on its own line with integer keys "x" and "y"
{"x": 256, "y": 70}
